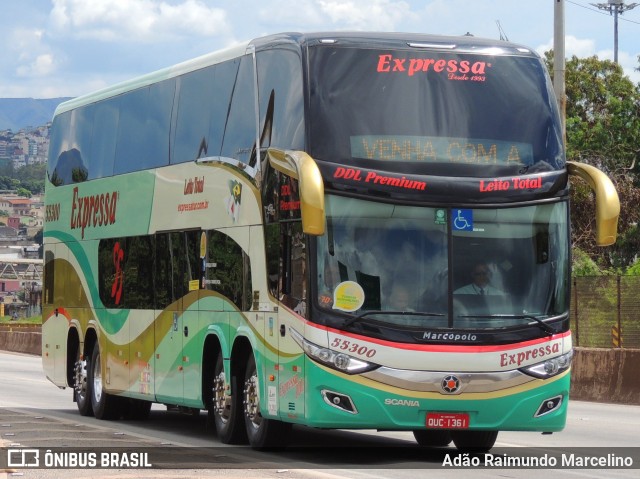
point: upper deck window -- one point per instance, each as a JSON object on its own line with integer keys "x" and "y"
{"x": 426, "y": 107}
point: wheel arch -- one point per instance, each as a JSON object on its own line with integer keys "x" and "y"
{"x": 90, "y": 341}
{"x": 240, "y": 352}
{"x": 73, "y": 346}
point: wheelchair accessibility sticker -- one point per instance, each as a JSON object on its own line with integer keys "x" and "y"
{"x": 462, "y": 220}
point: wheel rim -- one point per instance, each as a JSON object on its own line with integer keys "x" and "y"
{"x": 221, "y": 402}
{"x": 80, "y": 380}
{"x": 252, "y": 400}
{"x": 97, "y": 379}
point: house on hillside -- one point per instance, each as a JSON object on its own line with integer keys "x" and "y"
{"x": 16, "y": 205}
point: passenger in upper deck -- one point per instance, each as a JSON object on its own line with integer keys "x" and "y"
{"x": 480, "y": 282}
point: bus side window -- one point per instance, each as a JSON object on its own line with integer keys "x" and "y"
{"x": 177, "y": 263}
{"x": 240, "y": 131}
{"x": 229, "y": 270}
{"x": 68, "y": 163}
{"x": 162, "y": 278}
{"x": 111, "y": 260}
{"x": 195, "y": 97}
{"x": 272, "y": 245}
{"x": 281, "y": 104}
{"x": 138, "y": 273}
{"x": 294, "y": 273}
{"x": 187, "y": 261}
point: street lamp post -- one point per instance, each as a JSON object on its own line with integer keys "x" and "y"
{"x": 615, "y": 8}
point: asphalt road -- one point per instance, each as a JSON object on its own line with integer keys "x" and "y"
{"x": 34, "y": 413}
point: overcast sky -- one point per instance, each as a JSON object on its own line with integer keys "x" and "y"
{"x": 53, "y": 48}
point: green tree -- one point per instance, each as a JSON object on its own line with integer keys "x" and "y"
{"x": 603, "y": 130}
{"x": 29, "y": 178}
{"x": 23, "y": 192}
{"x": 634, "y": 270}
{"x": 583, "y": 265}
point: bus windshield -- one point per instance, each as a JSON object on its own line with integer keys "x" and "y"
{"x": 420, "y": 267}
{"x": 452, "y": 110}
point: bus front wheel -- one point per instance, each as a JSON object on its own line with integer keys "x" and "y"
{"x": 474, "y": 441}
{"x": 432, "y": 437}
{"x": 263, "y": 433}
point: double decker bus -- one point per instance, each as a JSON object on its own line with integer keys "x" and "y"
{"x": 338, "y": 230}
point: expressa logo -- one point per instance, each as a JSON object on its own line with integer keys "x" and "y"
{"x": 411, "y": 66}
{"x": 93, "y": 210}
{"x": 516, "y": 359}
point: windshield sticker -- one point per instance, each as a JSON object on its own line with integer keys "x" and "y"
{"x": 440, "y": 217}
{"x": 441, "y": 150}
{"x": 455, "y": 69}
{"x": 462, "y": 220}
{"x": 348, "y": 296}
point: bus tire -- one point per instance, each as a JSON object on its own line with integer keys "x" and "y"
{"x": 226, "y": 410}
{"x": 432, "y": 437}
{"x": 262, "y": 433}
{"x": 82, "y": 385}
{"x": 474, "y": 441}
{"x": 104, "y": 405}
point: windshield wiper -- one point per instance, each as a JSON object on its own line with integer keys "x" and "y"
{"x": 353, "y": 319}
{"x": 541, "y": 324}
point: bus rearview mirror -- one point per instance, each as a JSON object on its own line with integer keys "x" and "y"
{"x": 607, "y": 201}
{"x": 300, "y": 166}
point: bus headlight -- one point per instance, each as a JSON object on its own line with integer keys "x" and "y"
{"x": 338, "y": 361}
{"x": 550, "y": 367}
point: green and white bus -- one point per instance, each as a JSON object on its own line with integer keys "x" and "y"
{"x": 290, "y": 232}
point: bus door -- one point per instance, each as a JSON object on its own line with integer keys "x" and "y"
{"x": 116, "y": 278}
{"x": 132, "y": 289}
{"x": 55, "y": 325}
{"x": 293, "y": 294}
{"x": 176, "y": 313}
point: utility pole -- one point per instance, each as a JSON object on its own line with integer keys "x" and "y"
{"x": 559, "y": 62}
{"x": 615, "y": 8}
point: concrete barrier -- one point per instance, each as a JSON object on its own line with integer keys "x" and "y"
{"x": 601, "y": 375}
{"x": 21, "y": 339}
{"x": 606, "y": 375}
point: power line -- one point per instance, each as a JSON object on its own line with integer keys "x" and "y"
{"x": 600, "y": 12}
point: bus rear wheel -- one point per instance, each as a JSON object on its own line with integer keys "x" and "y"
{"x": 432, "y": 437}
{"x": 104, "y": 405}
{"x": 226, "y": 409}
{"x": 474, "y": 441}
{"x": 81, "y": 385}
{"x": 262, "y": 433}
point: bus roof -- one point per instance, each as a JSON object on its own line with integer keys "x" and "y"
{"x": 387, "y": 39}
{"x": 154, "y": 77}
{"x": 464, "y": 43}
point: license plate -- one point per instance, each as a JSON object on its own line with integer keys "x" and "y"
{"x": 446, "y": 420}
